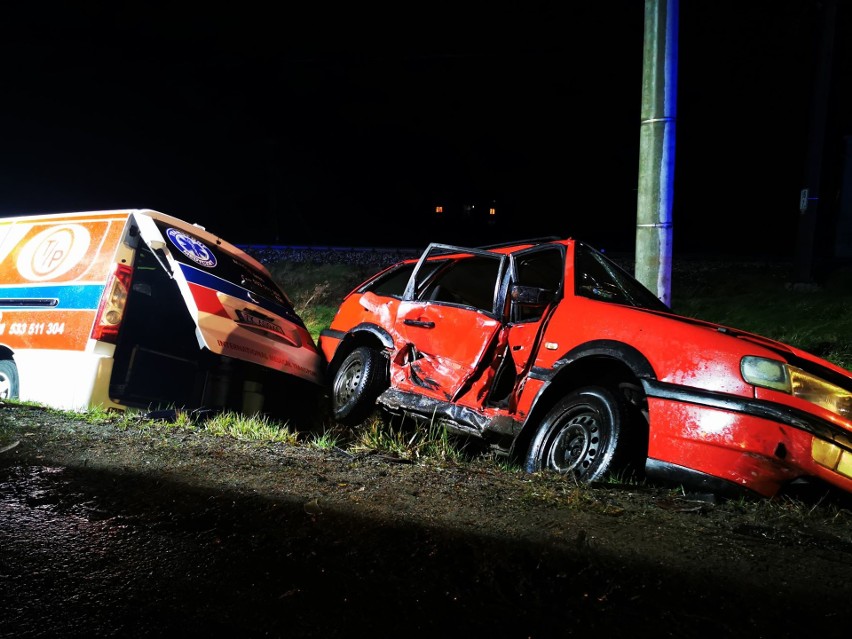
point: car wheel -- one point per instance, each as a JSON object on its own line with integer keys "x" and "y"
{"x": 8, "y": 379}
{"x": 582, "y": 435}
{"x": 357, "y": 383}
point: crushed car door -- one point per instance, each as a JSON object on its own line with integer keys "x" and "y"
{"x": 238, "y": 309}
{"x": 537, "y": 283}
{"x": 447, "y": 323}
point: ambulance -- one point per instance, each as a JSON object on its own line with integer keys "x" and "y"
{"x": 136, "y": 308}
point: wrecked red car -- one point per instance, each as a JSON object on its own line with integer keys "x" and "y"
{"x": 555, "y": 356}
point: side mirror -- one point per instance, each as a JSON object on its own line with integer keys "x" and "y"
{"x": 531, "y": 295}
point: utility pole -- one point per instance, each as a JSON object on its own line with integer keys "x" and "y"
{"x": 657, "y": 148}
{"x": 811, "y": 209}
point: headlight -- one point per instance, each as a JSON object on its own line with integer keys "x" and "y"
{"x": 770, "y": 373}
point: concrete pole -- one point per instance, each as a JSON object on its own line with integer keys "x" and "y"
{"x": 657, "y": 148}
{"x": 808, "y": 270}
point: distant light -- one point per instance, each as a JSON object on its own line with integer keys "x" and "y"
{"x": 439, "y": 209}
{"x": 492, "y": 211}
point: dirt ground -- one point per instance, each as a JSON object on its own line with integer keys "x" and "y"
{"x": 290, "y": 540}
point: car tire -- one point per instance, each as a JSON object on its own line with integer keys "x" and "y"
{"x": 359, "y": 380}
{"x": 583, "y": 435}
{"x": 9, "y": 388}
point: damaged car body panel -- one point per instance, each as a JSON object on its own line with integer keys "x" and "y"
{"x": 555, "y": 356}
{"x": 147, "y": 311}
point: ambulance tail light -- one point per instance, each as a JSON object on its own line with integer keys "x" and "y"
{"x": 111, "y": 309}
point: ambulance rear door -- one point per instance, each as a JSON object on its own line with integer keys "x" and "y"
{"x": 238, "y": 309}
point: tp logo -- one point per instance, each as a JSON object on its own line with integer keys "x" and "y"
{"x": 53, "y": 252}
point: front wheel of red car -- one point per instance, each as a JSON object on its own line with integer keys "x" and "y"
{"x": 357, "y": 383}
{"x": 583, "y": 435}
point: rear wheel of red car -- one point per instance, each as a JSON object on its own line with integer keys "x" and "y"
{"x": 357, "y": 383}
{"x": 583, "y": 435}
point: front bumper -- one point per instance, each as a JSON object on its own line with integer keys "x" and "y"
{"x": 754, "y": 443}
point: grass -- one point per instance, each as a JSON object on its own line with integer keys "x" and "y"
{"x": 250, "y": 427}
{"x": 327, "y": 440}
{"x": 402, "y": 440}
{"x": 316, "y": 289}
{"x": 762, "y": 299}
{"x": 405, "y": 439}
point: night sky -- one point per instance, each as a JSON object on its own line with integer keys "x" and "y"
{"x": 345, "y": 127}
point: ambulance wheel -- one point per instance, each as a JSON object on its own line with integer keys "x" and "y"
{"x": 8, "y": 379}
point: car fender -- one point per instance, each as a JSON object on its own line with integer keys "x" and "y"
{"x": 365, "y": 333}
{"x": 596, "y": 361}
{"x": 612, "y": 350}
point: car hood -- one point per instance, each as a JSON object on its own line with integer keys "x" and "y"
{"x": 785, "y": 351}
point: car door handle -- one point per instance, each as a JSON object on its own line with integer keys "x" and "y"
{"x": 420, "y": 323}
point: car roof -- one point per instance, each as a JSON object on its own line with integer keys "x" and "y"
{"x": 514, "y": 245}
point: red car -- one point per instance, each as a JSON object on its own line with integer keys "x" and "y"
{"x": 555, "y": 356}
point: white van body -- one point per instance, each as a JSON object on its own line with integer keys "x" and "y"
{"x": 136, "y": 308}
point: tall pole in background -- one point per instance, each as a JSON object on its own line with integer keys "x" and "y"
{"x": 811, "y": 209}
{"x": 657, "y": 148}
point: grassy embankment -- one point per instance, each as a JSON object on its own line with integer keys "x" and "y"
{"x": 762, "y": 298}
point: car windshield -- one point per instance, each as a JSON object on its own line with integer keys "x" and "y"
{"x": 599, "y": 278}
